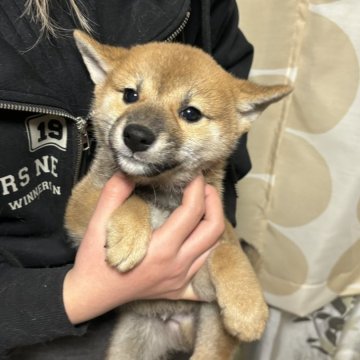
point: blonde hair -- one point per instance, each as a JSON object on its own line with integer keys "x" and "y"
{"x": 39, "y": 11}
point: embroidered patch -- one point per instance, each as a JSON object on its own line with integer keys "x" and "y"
{"x": 46, "y": 130}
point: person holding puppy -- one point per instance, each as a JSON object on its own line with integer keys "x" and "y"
{"x": 47, "y": 294}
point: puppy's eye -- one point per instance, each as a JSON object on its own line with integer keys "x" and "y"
{"x": 191, "y": 114}
{"x": 130, "y": 96}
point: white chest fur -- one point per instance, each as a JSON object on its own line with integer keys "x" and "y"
{"x": 158, "y": 216}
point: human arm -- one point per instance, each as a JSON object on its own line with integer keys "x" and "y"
{"x": 36, "y": 307}
{"x": 31, "y": 306}
{"x": 91, "y": 287}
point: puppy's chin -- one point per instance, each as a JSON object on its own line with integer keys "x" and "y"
{"x": 133, "y": 167}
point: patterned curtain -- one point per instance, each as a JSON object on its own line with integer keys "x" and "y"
{"x": 300, "y": 205}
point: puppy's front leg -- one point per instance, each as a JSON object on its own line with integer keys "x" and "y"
{"x": 238, "y": 292}
{"x": 80, "y": 208}
{"x": 128, "y": 234}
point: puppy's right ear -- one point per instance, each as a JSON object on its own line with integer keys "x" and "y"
{"x": 99, "y": 59}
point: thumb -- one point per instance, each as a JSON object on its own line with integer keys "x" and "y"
{"x": 117, "y": 189}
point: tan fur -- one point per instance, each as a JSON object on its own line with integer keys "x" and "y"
{"x": 221, "y": 346}
{"x": 127, "y": 248}
{"x": 80, "y": 209}
{"x": 170, "y": 78}
{"x": 227, "y": 263}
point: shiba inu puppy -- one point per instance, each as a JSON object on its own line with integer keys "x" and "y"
{"x": 163, "y": 113}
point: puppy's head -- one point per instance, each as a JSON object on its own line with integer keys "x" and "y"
{"x": 165, "y": 108}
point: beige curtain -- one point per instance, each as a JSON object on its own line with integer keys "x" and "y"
{"x": 300, "y": 205}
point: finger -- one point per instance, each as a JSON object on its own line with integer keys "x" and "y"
{"x": 115, "y": 192}
{"x": 199, "y": 262}
{"x": 187, "y": 293}
{"x": 209, "y": 230}
{"x": 186, "y": 217}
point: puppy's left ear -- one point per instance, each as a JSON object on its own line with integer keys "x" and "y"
{"x": 253, "y": 99}
{"x": 99, "y": 59}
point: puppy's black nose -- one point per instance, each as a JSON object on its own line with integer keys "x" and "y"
{"x": 138, "y": 137}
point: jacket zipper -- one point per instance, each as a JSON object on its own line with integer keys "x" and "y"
{"x": 80, "y": 122}
{"x": 180, "y": 28}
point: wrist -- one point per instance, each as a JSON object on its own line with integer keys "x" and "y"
{"x": 86, "y": 298}
{"x": 73, "y": 302}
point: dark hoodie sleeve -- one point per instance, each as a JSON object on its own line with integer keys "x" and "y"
{"x": 231, "y": 49}
{"x": 228, "y": 44}
{"x": 31, "y": 306}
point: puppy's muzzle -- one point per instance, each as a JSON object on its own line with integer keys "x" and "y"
{"x": 138, "y": 137}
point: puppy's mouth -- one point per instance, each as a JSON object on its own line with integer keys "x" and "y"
{"x": 139, "y": 151}
{"x": 130, "y": 165}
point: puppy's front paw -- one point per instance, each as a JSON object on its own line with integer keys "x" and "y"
{"x": 239, "y": 295}
{"x": 246, "y": 320}
{"x": 125, "y": 249}
{"x": 128, "y": 234}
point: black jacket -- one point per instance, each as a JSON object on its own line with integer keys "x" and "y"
{"x": 45, "y": 93}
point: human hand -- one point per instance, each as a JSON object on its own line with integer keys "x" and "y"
{"x": 176, "y": 252}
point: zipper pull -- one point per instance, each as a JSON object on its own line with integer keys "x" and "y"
{"x": 81, "y": 125}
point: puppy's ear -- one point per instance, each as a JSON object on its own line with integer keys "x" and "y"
{"x": 98, "y": 58}
{"x": 253, "y": 99}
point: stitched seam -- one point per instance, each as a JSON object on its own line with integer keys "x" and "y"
{"x": 293, "y": 60}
